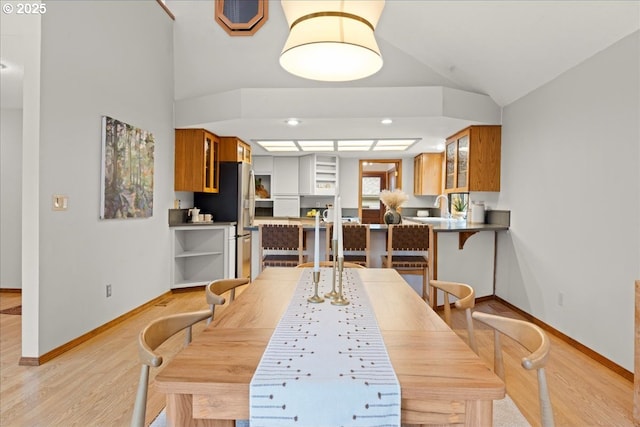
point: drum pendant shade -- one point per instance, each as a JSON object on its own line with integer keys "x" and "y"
{"x": 332, "y": 40}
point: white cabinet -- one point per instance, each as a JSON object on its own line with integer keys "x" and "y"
{"x": 318, "y": 175}
{"x": 263, "y": 165}
{"x": 286, "y": 206}
{"x": 284, "y": 177}
{"x": 201, "y": 254}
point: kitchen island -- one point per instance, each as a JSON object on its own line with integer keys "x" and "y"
{"x": 463, "y": 251}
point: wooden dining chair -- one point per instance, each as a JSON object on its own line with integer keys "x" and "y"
{"x": 534, "y": 339}
{"x": 466, "y": 300}
{"x": 281, "y": 245}
{"x": 149, "y": 339}
{"x": 215, "y": 289}
{"x": 356, "y": 243}
{"x": 329, "y": 264}
{"x": 409, "y": 251}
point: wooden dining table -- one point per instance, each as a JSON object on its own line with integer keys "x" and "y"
{"x": 442, "y": 380}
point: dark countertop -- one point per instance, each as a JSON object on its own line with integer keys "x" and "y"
{"x": 438, "y": 226}
{"x": 202, "y": 224}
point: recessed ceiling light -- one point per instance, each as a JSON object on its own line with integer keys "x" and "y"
{"x": 292, "y": 122}
{"x": 386, "y": 121}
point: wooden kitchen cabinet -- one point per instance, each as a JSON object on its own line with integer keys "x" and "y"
{"x": 427, "y": 174}
{"x": 233, "y": 149}
{"x": 472, "y": 160}
{"x": 197, "y": 153}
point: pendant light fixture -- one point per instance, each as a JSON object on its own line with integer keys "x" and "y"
{"x": 332, "y": 40}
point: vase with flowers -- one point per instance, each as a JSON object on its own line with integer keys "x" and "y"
{"x": 392, "y": 201}
{"x": 459, "y": 205}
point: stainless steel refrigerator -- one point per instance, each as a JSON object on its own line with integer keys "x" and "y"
{"x": 235, "y": 201}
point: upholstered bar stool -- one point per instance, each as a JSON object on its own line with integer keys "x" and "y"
{"x": 409, "y": 252}
{"x": 356, "y": 243}
{"x": 281, "y": 245}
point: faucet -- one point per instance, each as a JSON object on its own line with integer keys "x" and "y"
{"x": 444, "y": 212}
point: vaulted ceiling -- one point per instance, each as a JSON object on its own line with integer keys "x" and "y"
{"x": 447, "y": 64}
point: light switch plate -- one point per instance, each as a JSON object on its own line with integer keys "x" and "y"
{"x": 60, "y": 202}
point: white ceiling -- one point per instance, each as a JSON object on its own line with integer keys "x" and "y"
{"x": 503, "y": 49}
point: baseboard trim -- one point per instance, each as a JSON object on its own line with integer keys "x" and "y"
{"x": 37, "y": 361}
{"x": 628, "y": 375}
{"x": 11, "y": 290}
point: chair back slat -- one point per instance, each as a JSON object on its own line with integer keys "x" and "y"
{"x": 409, "y": 237}
{"x": 280, "y": 236}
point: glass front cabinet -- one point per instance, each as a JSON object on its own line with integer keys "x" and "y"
{"x": 472, "y": 160}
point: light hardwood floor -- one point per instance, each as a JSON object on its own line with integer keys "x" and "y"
{"x": 94, "y": 384}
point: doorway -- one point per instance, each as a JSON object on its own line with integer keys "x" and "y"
{"x": 376, "y": 175}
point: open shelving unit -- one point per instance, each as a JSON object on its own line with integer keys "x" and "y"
{"x": 200, "y": 255}
{"x": 318, "y": 175}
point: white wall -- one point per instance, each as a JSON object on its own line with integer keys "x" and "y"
{"x": 10, "y": 198}
{"x": 570, "y": 162}
{"x": 100, "y": 58}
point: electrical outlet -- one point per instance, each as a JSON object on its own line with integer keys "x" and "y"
{"x": 108, "y": 291}
{"x": 560, "y": 299}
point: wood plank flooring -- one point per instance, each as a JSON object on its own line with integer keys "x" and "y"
{"x": 95, "y": 383}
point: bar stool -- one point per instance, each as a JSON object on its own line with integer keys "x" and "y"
{"x": 404, "y": 242}
{"x": 286, "y": 240}
{"x": 356, "y": 243}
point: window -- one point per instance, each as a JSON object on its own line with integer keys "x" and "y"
{"x": 241, "y": 17}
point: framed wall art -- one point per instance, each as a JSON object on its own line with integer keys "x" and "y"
{"x": 127, "y": 171}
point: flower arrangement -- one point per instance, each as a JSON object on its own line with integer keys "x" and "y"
{"x": 393, "y": 199}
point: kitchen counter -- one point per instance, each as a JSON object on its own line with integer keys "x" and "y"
{"x": 438, "y": 226}
{"x": 201, "y": 224}
{"x": 474, "y": 265}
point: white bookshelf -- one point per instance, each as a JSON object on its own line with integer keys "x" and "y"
{"x": 201, "y": 254}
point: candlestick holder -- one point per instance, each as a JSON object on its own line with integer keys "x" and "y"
{"x": 333, "y": 293}
{"x": 340, "y": 299}
{"x": 316, "y": 298}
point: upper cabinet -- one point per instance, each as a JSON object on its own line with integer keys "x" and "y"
{"x": 318, "y": 175}
{"x": 233, "y": 149}
{"x": 197, "y": 154}
{"x": 262, "y": 165}
{"x": 284, "y": 180}
{"x": 427, "y": 174}
{"x": 472, "y": 160}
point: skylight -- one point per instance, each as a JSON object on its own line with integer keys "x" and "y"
{"x": 363, "y": 145}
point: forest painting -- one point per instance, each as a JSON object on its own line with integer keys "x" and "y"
{"x": 127, "y": 171}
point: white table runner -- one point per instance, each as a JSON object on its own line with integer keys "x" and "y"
{"x": 326, "y": 365}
